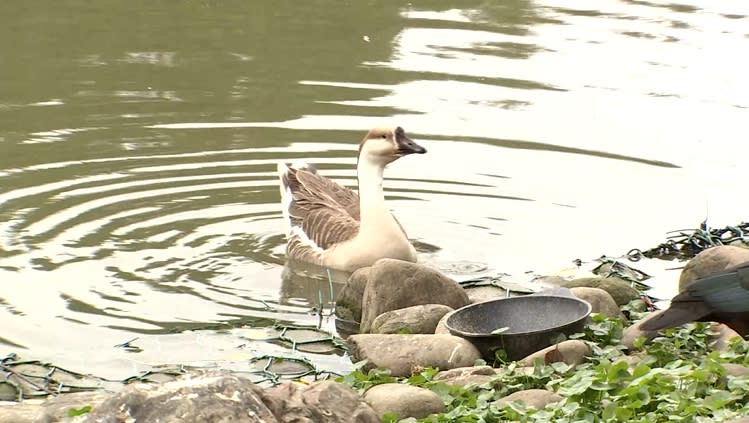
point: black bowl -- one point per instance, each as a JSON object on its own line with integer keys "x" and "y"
{"x": 525, "y": 324}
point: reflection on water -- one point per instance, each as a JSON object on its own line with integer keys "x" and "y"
{"x": 138, "y": 194}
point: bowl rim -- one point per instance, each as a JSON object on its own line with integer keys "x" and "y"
{"x": 454, "y": 331}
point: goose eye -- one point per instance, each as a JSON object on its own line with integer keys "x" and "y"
{"x": 384, "y": 136}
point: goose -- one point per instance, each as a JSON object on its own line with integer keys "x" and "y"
{"x": 332, "y": 226}
{"x": 720, "y": 297}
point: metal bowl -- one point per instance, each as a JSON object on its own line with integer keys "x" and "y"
{"x": 521, "y": 325}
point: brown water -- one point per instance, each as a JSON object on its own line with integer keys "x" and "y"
{"x": 138, "y": 145}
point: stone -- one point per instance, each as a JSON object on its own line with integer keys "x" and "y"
{"x": 480, "y": 294}
{"x": 536, "y": 398}
{"x": 441, "y": 328}
{"x": 325, "y": 401}
{"x": 462, "y": 376}
{"x": 349, "y": 301}
{"x": 736, "y": 370}
{"x": 620, "y": 290}
{"x": 404, "y": 355}
{"x": 53, "y": 409}
{"x": 722, "y": 336}
{"x": 414, "y": 319}
{"x": 403, "y": 400}
{"x": 206, "y": 396}
{"x": 712, "y": 260}
{"x": 632, "y": 332}
{"x": 572, "y": 352}
{"x": 395, "y": 284}
{"x": 601, "y": 301}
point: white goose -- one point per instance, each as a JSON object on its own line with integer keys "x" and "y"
{"x": 330, "y": 225}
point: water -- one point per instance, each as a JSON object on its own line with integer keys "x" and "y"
{"x": 139, "y": 140}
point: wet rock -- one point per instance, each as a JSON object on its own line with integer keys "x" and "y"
{"x": 404, "y": 400}
{"x": 209, "y": 396}
{"x": 600, "y": 301}
{"x": 572, "y": 352}
{"x": 405, "y": 354}
{"x": 710, "y": 261}
{"x": 537, "y": 398}
{"x": 395, "y": 284}
{"x": 349, "y": 301}
{"x": 619, "y": 289}
{"x": 462, "y": 376}
{"x": 414, "y": 319}
{"x": 321, "y": 402}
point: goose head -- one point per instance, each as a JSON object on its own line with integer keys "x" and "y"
{"x": 382, "y": 146}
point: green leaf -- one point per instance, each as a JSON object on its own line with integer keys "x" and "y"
{"x": 75, "y": 412}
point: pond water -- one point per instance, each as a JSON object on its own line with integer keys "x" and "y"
{"x": 139, "y": 141}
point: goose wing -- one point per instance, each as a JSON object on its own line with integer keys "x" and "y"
{"x": 326, "y": 212}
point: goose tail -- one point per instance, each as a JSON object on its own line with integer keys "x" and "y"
{"x": 287, "y": 198}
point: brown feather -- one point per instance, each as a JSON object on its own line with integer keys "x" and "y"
{"x": 326, "y": 211}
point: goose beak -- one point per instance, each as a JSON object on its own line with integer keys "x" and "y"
{"x": 407, "y": 145}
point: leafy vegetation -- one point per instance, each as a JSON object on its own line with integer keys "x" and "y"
{"x": 676, "y": 377}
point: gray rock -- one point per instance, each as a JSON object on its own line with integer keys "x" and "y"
{"x": 537, "y": 398}
{"x": 209, "y": 397}
{"x": 462, "y": 376}
{"x": 406, "y": 354}
{"x": 414, "y": 319}
{"x": 326, "y": 401}
{"x": 619, "y": 289}
{"x": 395, "y": 284}
{"x": 349, "y": 300}
{"x": 600, "y": 301}
{"x": 572, "y": 352}
{"x": 711, "y": 261}
{"x": 404, "y": 400}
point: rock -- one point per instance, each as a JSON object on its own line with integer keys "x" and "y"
{"x": 326, "y": 401}
{"x": 53, "y": 409}
{"x": 632, "y": 332}
{"x": 741, "y": 420}
{"x": 710, "y": 261}
{"x": 722, "y": 337}
{"x": 600, "y": 301}
{"x": 404, "y": 400}
{"x": 537, "y": 398}
{"x": 441, "y": 328}
{"x": 619, "y": 289}
{"x": 462, "y": 376}
{"x": 736, "y": 370}
{"x": 209, "y": 396}
{"x": 405, "y": 354}
{"x": 479, "y": 294}
{"x": 572, "y": 352}
{"x": 395, "y": 284}
{"x": 349, "y": 301}
{"x": 414, "y": 319}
